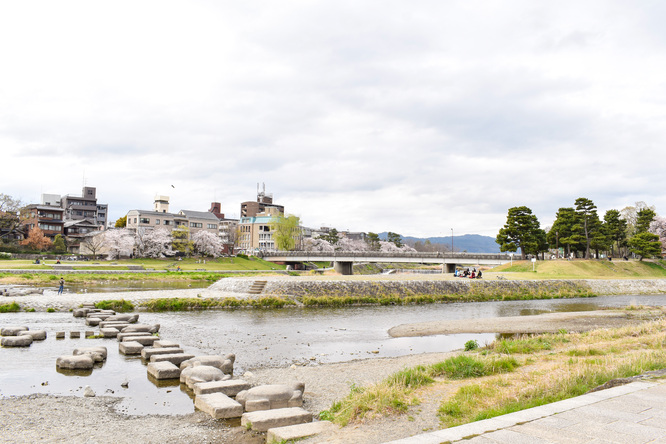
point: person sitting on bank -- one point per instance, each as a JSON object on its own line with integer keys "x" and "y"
{"x": 473, "y": 275}
{"x": 478, "y": 276}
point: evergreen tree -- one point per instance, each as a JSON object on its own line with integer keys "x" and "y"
{"x": 615, "y": 229}
{"x": 588, "y": 222}
{"x": 560, "y": 234}
{"x": 59, "y": 244}
{"x": 522, "y": 230}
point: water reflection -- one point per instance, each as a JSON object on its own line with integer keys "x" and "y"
{"x": 309, "y": 336}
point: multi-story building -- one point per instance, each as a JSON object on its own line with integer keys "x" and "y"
{"x": 256, "y": 232}
{"x": 48, "y": 219}
{"x": 227, "y": 228}
{"x": 84, "y": 207}
{"x": 263, "y": 204}
{"x": 160, "y": 217}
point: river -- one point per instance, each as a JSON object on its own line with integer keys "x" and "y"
{"x": 302, "y": 336}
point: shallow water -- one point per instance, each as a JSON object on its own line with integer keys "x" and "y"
{"x": 258, "y": 338}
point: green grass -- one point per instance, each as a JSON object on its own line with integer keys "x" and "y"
{"x": 10, "y": 308}
{"x": 394, "y": 394}
{"x": 188, "y": 304}
{"x": 121, "y": 305}
{"x": 585, "y": 269}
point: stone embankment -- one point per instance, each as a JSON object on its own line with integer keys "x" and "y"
{"x": 304, "y": 286}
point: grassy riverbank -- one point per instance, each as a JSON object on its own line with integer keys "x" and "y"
{"x": 583, "y": 269}
{"x": 483, "y": 383}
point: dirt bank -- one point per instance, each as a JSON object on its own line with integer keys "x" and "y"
{"x": 543, "y": 323}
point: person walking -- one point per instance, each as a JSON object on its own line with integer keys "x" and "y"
{"x": 62, "y": 285}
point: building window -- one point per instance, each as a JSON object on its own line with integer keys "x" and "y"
{"x": 157, "y": 222}
{"x": 145, "y": 220}
{"x": 167, "y": 222}
{"x": 196, "y": 225}
{"x": 212, "y": 226}
{"x": 135, "y": 220}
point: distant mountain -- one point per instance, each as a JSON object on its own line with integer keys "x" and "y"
{"x": 471, "y": 243}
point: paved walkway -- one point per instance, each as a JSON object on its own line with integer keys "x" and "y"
{"x": 632, "y": 413}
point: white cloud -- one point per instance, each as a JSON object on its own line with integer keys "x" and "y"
{"x": 371, "y": 116}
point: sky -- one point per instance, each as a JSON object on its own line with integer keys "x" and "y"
{"x": 421, "y": 117}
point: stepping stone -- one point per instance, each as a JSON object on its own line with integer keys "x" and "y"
{"x": 78, "y": 362}
{"x": 12, "y": 331}
{"x": 89, "y": 333}
{"x": 298, "y": 431}
{"x": 230, "y": 387}
{"x": 165, "y": 344}
{"x": 93, "y": 322}
{"x": 143, "y": 340}
{"x": 163, "y": 370}
{"x": 263, "y": 420}
{"x": 148, "y": 352}
{"x": 121, "y": 335}
{"x": 108, "y": 332}
{"x": 37, "y": 335}
{"x": 74, "y": 334}
{"x": 218, "y": 406}
{"x": 60, "y": 335}
{"x": 130, "y": 348}
{"x": 174, "y": 358}
{"x": 118, "y": 325}
{"x": 97, "y": 353}
{"x": 16, "y": 341}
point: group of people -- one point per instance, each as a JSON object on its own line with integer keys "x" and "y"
{"x": 466, "y": 273}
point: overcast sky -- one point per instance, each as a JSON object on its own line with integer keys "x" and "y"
{"x": 414, "y": 117}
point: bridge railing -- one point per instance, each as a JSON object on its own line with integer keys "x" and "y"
{"x": 378, "y": 254}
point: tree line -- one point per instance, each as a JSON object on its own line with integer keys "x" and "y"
{"x": 580, "y": 232}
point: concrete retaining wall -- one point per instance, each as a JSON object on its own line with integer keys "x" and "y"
{"x": 301, "y": 287}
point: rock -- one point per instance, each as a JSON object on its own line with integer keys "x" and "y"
{"x": 71, "y": 362}
{"x": 275, "y": 396}
{"x": 263, "y": 420}
{"x": 74, "y": 334}
{"x": 16, "y": 341}
{"x": 98, "y": 354}
{"x": 37, "y": 335}
{"x": 218, "y": 406}
{"x": 230, "y": 387}
{"x": 298, "y": 431}
{"x": 174, "y": 358}
{"x": 130, "y": 348}
{"x": 163, "y": 370}
{"x": 81, "y": 312}
{"x": 201, "y": 373}
{"x": 142, "y": 328}
{"x": 147, "y": 352}
{"x": 93, "y": 321}
{"x": 12, "y": 331}
{"x": 88, "y": 392}
{"x": 224, "y": 363}
{"x": 131, "y": 318}
{"x": 60, "y": 335}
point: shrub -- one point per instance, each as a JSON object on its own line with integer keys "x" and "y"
{"x": 12, "y": 307}
{"x": 472, "y": 344}
{"x": 121, "y": 306}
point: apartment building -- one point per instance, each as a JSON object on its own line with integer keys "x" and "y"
{"x": 160, "y": 217}
{"x": 49, "y": 219}
{"x": 227, "y": 228}
{"x": 84, "y": 207}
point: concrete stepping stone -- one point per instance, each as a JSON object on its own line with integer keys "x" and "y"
{"x": 108, "y": 332}
{"x": 148, "y": 352}
{"x": 97, "y": 353}
{"x": 218, "y": 405}
{"x": 174, "y": 358}
{"x": 78, "y": 362}
{"x": 263, "y": 420}
{"x": 143, "y": 340}
{"x": 74, "y": 334}
{"x": 93, "y": 322}
{"x": 298, "y": 431}
{"x": 60, "y": 335}
{"x": 37, "y": 335}
{"x": 16, "y": 341}
{"x": 165, "y": 344}
{"x": 163, "y": 370}
{"x": 12, "y": 331}
{"x": 119, "y": 325}
{"x": 130, "y": 348}
{"x": 230, "y": 387}
{"x": 122, "y": 335}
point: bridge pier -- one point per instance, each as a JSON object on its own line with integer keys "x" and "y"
{"x": 450, "y": 268}
{"x": 344, "y": 268}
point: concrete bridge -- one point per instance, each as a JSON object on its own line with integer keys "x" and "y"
{"x": 343, "y": 260}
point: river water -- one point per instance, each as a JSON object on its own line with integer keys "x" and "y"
{"x": 259, "y": 338}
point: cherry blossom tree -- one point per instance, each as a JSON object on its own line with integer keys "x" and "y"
{"x": 390, "y": 247}
{"x": 658, "y": 227}
{"x": 207, "y": 243}
{"x": 347, "y": 244}
{"x": 317, "y": 244}
{"x": 157, "y": 243}
{"x": 119, "y": 242}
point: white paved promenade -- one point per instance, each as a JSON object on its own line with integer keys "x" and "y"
{"x": 632, "y": 413}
